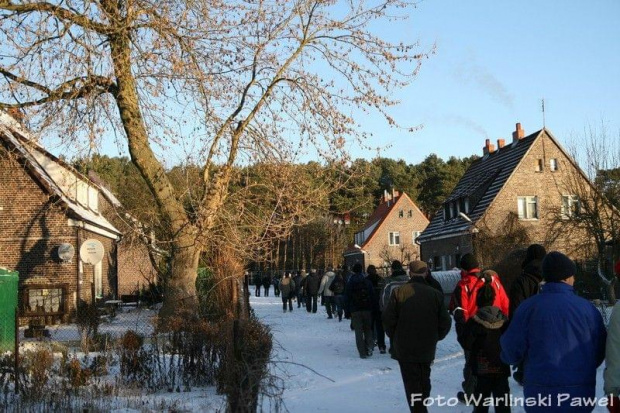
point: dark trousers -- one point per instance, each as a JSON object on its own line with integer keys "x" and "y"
{"x": 417, "y": 381}
{"x": 329, "y": 305}
{"x": 377, "y": 325}
{"x": 287, "y": 299}
{"x": 257, "y": 291}
{"x": 276, "y": 290}
{"x": 300, "y": 299}
{"x": 311, "y": 303}
{"x": 266, "y": 291}
{"x": 469, "y": 381}
{"x": 497, "y": 387}
{"x": 339, "y": 303}
{"x": 362, "y": 325}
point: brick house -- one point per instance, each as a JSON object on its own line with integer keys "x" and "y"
{"x": 51, "y": 220}
{"x": 389, "y": 234}
{"x": 514, "y": 195}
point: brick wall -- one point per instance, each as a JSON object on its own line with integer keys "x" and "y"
{"x": 405, "y": 225}
{"x": 528, "y": 179}
{"x": 32, "y": 225}
{"x": 548, "y": 186}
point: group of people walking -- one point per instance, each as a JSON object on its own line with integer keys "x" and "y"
{"x": 551, "y": 340}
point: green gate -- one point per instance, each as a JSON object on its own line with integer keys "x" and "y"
{"x": 8, "y": 306}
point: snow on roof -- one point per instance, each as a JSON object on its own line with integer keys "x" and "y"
{"x": 59, "y": 179}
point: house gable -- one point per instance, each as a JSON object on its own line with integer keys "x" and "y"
{"x": 395, "y": 215}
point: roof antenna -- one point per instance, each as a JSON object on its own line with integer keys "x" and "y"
{"x": 543, "y": 111}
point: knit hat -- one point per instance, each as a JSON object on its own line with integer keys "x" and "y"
{"x": 557, "y": 267}
{"x": 397, "y": 265}
{"x": 469, "y": 262}
{"x": 418, "y": 267}
{"x": 357, "y": 268}
{"x": 486, "y": 296}
{"x": 534, "y": 252}
{"x": 371, "y": 269}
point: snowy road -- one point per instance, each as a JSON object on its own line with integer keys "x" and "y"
{"x": 341, "y": 381}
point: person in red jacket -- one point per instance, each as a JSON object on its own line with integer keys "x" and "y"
{"x": 463, "y": 307}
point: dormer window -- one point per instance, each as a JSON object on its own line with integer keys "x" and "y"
{"x": 401, "y": 213}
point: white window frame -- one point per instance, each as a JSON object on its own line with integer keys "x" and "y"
{"x": 523, "y": 210}
{"x": 570, "y": 206}
{"x": 553, "y": 164}
{"x": 394, "y": 238}
{"x": 415, "y": 235}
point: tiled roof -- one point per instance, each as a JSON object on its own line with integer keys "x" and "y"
{"x": 50, "y": 171}
{"x": 481, "y": 182}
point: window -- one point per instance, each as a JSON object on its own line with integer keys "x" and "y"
{"x": 452, "y": 214}
{"x": 416, "y": 234}
{"x": 553, "y": 164}
{"x": 527, "y": 207}
{"x": 466, "y": 205}
{"x": 540, "y": 165}
{"x": 394, "y": 238}
{"x": 410, "y": 213}
{"x": 444, "y": 262}
{"x": 570, "y": 206}
{"x": 400, "y": 213}
{"x": 436, "y": 263}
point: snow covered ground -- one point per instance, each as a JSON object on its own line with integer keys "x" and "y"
{"x": 323, "y": 372}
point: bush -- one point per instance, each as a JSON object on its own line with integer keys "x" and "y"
{"x": 246, "y": 347}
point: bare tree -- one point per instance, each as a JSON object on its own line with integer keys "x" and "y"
{"x": 589, "y": 213}
{"x": 226, "y": 81}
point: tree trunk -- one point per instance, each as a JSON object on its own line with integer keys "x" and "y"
{"x": 180, "y": 292}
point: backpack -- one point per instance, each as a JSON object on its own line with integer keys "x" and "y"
{"x": 337, "y": 286}
{"x": 360, "y": 297}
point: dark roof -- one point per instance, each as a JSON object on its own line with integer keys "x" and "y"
{"x": 481, "y": 183}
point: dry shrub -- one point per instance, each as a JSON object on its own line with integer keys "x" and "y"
{"x": 78, "y": 376}
{"x": 37, "y": 368}
{"x": 88, "y": 321}
{"x": 245, "y": 353}
{"x": 135, "y": 359}
{"x": 191, "y": 346}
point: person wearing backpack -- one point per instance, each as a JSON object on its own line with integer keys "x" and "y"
{"x": 311, "y": 288}
{"x": 378, "y": 284}
{"x": 481, "y": 336}
{"x": 287, "y": 288}
{"x": 328, "y": 294}
{"x": 337, "y": 288}
{"x": 415, "y": 319}
{"x": 525, "y": 286}
{"x": 359, "y": 303}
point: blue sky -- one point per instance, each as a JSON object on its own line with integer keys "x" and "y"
{"x": 495, "y": 61}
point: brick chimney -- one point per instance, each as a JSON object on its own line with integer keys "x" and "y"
{"x": 518, "y": 134}
{"x": 488, "y": 147}
{"x": 501, "y": 143}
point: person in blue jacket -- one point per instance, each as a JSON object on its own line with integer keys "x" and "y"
{"x": 560, "y": 339}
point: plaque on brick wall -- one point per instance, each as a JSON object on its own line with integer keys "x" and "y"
{"x": 91, "y": 251}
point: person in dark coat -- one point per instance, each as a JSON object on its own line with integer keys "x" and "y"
{"x": 266, "y": 283}
{"x": 416, "y": 318}
{"x": 258, "y": 282}
{"x": 560, "y": 339}
{"x": 432, "y": 281}
{"x": 287, "y": 288}
{"x": 525, "y": 286}
{"x": 311, "y": 287}
{"x": 359, "y": 304}
{"x": 337, "y": 287}
{"x": 378, "y": 283}
{"x": 481, "y": 336}
{"x": 276, "y": 286}
{"x": 298, "y": 288}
